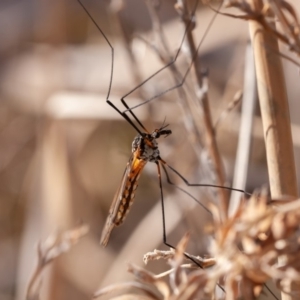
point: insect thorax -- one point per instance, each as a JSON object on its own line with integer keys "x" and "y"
{"x": 147, "y": 147}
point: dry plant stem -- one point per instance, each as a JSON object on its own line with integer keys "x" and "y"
{"x": 32, "y": 288}
{"x": 166, "y": 57}
{"x": 275, "y": 114}
{"x": 245, "y": 133}
{"x": 203, "y": 104}
{"x": 48, "y": 251}
{"x": 281, "y": 10}
{"x": 293, "y": 35}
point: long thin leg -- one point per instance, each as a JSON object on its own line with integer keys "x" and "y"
{"x": 109, "y": 44}
{"x": 165, "y": 66}
{"x": 163, "y": 212}
{"x": 181, "y": 189}
{"x": 128, "y": 109}
{"x": 133, "y": 115}
{"x": 205, "y": 184}
{"x": 173, "y": 61}
{"x": 162, "y": 205}
{"x": 164, "y": 218}
{"x": 123, "y": 114}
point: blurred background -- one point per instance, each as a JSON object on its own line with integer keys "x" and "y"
{"x": 63, "y": 150}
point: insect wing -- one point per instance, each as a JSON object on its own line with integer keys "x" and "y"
{"x": 109, "y": 224}
{"x": 123, "y": 197}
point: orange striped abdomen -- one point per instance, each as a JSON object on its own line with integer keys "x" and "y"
{"x": 127, "y": 195}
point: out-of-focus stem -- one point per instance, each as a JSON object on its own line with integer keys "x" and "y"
{"x": 275, "y": 114}
{"x": 165, "y": 56}
{"x": 204, "y": 108}
{"x": 245, "y": 133}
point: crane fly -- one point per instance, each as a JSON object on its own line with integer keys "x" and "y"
{"x": 144, "y": 149}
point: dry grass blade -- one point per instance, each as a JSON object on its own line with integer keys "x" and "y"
{"x": 147, "y": 277}
{"x": 53, "y": 247}
{"x": 128, "y": 285}
{"x": 231, "y": 106}
{"x": 148, "y": 283}
{"x": 178, "y": 276}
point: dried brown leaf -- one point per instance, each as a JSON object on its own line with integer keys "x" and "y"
{"x": 158, "y": 254}
{"x": 120, "y": 287}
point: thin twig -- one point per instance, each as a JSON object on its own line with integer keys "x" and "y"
{"x": 166, "y": 57}
{"x": 204, "y": 109}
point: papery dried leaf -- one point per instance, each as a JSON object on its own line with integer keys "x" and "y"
{"x": 205, "y": 262}
{"x": 183, "y": 266}
{"x": 180, "y": 250}
{"x": 249, "y": 245}
{"x": 158, "y": 254}
{"x": 192, "y": 287}
{"x": 178, "y": 275}
{"x": 256, "y": 275}
{"x": 290, "y": 9}
{"x": 141, "y": 274}
{"x": 76, "y": 233}
{"x": 262, "y": 236}
{"x": 265, "y": 223}
{"x": 54, "y": 246}
{"x": 283, "y": 200}
{"x": 246, "y": 288}
{"x": 278, "y": 226}
{"x": 293, "y": 274}
{"x": 148, "y": 277}
{"x": 60, "y": 243}
{"x": 292, "y": 219}
{"x": 33, "y": 290}
{"x": 215, "y": 213}
{"x": 289, "y": 206}
{"x": 152, "y": 293}
{"x": 132, "y": 297}
{"x": 255, "y": 208}
{"x": 231, "y": 287}
{"x": 257, "y": 289}
{"x": 280, "y": 244}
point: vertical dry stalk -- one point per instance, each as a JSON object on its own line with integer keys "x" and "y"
{"x": 203, "y": 104}
{"x": 274, "y": 111}
{"x": 245, "y": 133}
{"x": 164, "y": 53}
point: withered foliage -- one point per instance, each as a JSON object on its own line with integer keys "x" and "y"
{"x": 270, "y": 13}
{"x": 258, "y": 243}
{"x": 54, "y": 246}
{"x": 249, "y": 246}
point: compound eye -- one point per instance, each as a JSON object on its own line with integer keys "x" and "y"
{"x": 155, "y": 134}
